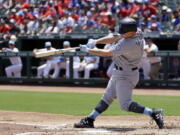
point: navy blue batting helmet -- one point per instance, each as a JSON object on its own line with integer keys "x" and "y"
{"x": 127, "y": 25}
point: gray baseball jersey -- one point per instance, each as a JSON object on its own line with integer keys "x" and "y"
{"x": 128, "y": 52}
{"x": 127, "y": 55}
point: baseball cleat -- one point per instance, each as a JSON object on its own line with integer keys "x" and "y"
{"x": 157, "y": 116}
{"x": 85, "y": 123}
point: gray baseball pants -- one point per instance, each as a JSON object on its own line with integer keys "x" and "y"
{"x": 120, "y": 86}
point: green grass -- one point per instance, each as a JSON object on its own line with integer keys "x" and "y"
{"x": 78, "y": 103}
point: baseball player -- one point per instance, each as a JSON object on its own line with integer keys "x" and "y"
{"x": 52, "y": 61}
{"x": 15, "y": 69}
{"x": 87, "y": 65}
{"x": 127, "y": 53}
{"x": 64, "y": 62}
{"x": 155, "y": 62}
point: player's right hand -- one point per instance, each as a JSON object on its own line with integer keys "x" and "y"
{"x": 91, "y": 43}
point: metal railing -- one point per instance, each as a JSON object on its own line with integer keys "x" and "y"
{"x": 165, "y": 73}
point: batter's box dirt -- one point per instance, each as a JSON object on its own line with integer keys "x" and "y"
{"x": 21, "y": 123}
{"x": 37, "y": 130}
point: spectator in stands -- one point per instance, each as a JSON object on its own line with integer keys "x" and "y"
{"x": 154, "y": 28}
{"x": 164, "y": 15}
{"x": 13, "y": 15}
{"x": 14, "y": 29}
{"x": 154, "y": 2}
{"x": 148, "y": 10}
{"x": 23, "y": 27}
{"x": 4, "y": 27}
{"x": 125, "y": 9}
{"x": 165, "y": 19}
{"x": 68, "y": 23}
{"x": 153, "y": 24}
{"x": 90, "y": 23}
{"x": 176, "y": 20}
{"x": 144, "y": 28}
{"x": 134, "y": 8}
{"x": 53, "y": 28}
{"x": 82, "y": 19}
{"x": 34, "y": 17}
{"x": 154, "y": 60}
{"x": 33, "y": 26}
{"x": 108, "y": 21}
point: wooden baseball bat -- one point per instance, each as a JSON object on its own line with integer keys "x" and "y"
{"x": 38, "y": 53}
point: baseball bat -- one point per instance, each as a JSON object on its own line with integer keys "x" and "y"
{"x": 38, "y": 53}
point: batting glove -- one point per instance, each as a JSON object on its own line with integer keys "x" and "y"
{"x": 91, "y": 43}
{"x": 84, "y": 48}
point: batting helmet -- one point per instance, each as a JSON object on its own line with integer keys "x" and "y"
{"x": 127, "y": 25}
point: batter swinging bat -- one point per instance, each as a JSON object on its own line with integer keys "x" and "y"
{"x": 38, "y": 53}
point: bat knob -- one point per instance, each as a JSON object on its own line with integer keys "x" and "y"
{"x": 78, "y": 49}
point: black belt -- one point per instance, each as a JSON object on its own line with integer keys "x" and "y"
{"x": 121, "y": 69}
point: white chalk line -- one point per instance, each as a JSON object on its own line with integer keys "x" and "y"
{"x": 65, "y": 129}
{"x": 59, "y": 126}
{"x": 42, "y": 126}
{"x": 31, "y": 133}
{"x": 87, "y": 131}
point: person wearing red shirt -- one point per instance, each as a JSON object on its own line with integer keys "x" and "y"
{"x": 108, "y": 20}
{"x": 148, "y": 10}
{"x": 50, "y": 12}
{"x": 178, "y": 8}
{"x": 63, "y": 3}
{"x": 13, "y": 15}
{"x": 59, "y": 9}
{"x": 134, "y": 8}
{"x": 73, "y": 14}
{"x": 125, "y": 9}
{"x": 95, "y": 14}
{"x": 154, "y": 2}
{"x": 24, "y": 5}
{"x": 4, "y": 28}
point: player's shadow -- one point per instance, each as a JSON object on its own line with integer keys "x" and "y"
{"x": 114, "y": 129}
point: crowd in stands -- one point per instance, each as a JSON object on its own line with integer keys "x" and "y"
{"x": 38, "y": 17}
{"x": 63, "y": 16}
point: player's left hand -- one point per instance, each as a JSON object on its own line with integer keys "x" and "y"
{"x": 84, "y": 48}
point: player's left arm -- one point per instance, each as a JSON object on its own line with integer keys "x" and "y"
{"x": 101, "y": 52}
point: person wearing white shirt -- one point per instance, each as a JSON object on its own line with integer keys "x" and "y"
{"x": 53, "y": 28}
{"x": 64, "y": 62}
{"x": 51, "y": 63}
{"x": 154, "y": 60}
{"x": 15, "y": 69}
{"x": 68, "y": 23}
{"x": 89, "y": 63}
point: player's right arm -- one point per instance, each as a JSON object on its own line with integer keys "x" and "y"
{"x": 108, "y": 39}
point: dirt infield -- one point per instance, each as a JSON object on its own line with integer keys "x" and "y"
{"x": 30, "y": 123}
